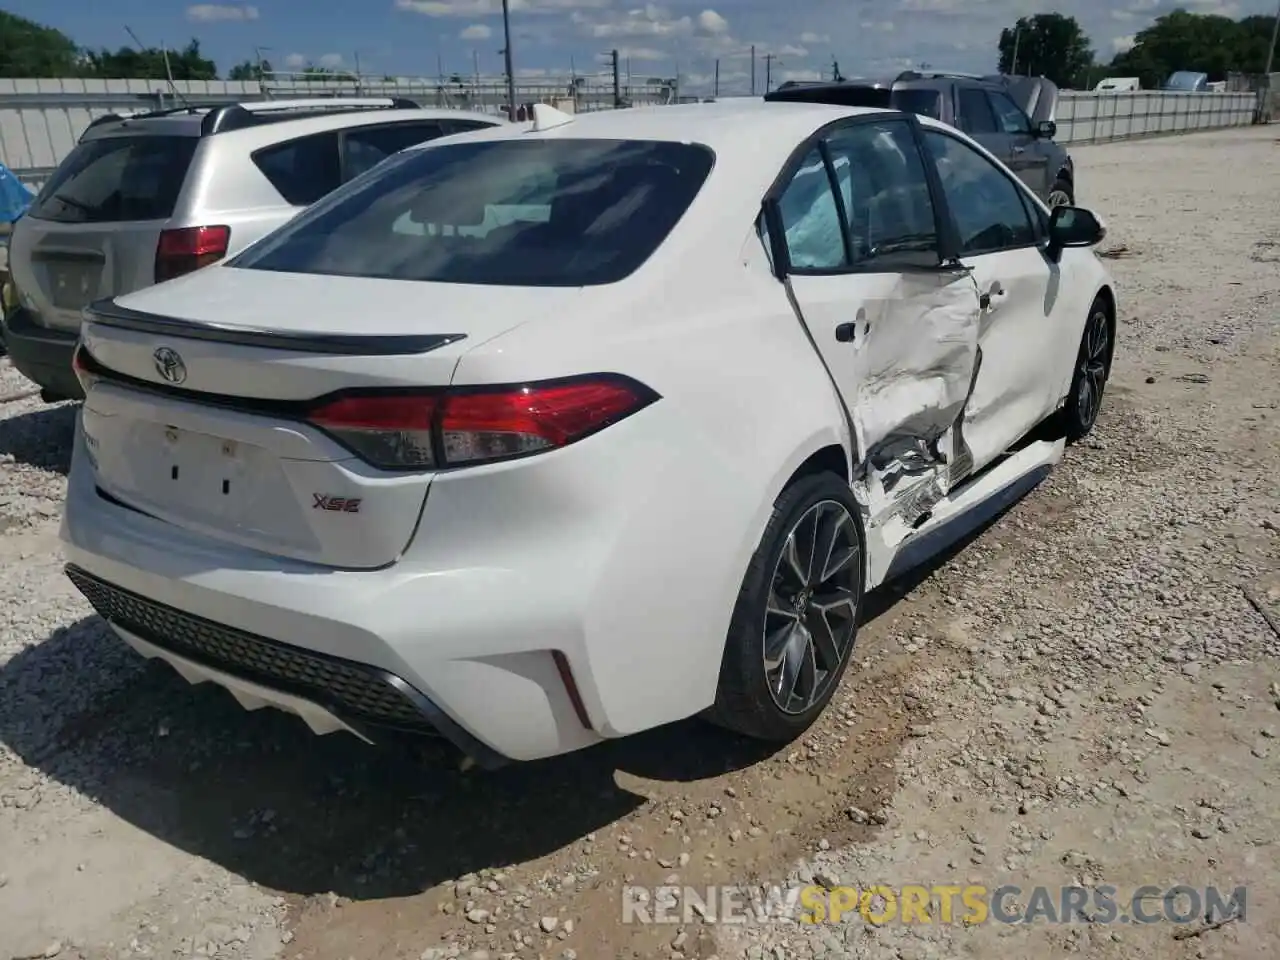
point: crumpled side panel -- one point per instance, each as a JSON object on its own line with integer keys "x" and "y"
{"x": 915, "y": 369}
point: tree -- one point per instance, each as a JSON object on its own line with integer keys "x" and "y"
{"x": 316, "y": 73}
{"x": 248, "y": 70}
{"x": 1048, "y": 44}
{"x": 28, "y": 49}
{"x": 1204, "y": 43}
{"x": 149, "y": 63}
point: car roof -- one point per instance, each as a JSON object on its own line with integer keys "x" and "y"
{"x": 727, "y": 125}
{"x": 184, "y": 122}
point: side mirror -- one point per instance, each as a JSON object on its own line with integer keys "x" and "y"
{"x": 1074, "y": 227}
{"x": 1046, "y": 129}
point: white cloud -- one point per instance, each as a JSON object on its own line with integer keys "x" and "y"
{"x": 711, "y": 22}
{"x": 791, "y": 50}
{"x": 1122, "y": 44}
{"x": 331, "y": 61}
{"x": 884, "y": 26}
{"x": 477, "y": 31}
{"x": 219, "y": 12}
{"x": 648, "y": 54}
{"x": 295, "y": 61}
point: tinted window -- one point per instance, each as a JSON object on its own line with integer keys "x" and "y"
{"x": 117, "y": 178}
{"x": 1009, "y": 115}
{"x": 462, "y": 126}
{"x": 926, "y": 103}
{"x": 844, "y": 95}
{"x": 810, "y": 218}
{"x": 547, "y": 212}
{"x": 302, "y": 170}
{"x": 365, "y": 147}
{"x": 884, "y": 191}
{"x": 987, "y": 207}
{"x": 975, "y": 111}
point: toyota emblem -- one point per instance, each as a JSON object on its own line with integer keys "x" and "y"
{"x": 169, "y": 365}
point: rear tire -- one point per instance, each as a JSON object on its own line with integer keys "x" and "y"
{"x": 796, "y": 618}
{"x": 1092, "y": 370}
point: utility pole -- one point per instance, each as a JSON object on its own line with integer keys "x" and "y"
{"x": 617, "y": 80}
{"x": 768, "y": 71}
{"x": 1271, "y": 51}
{"x": 506, "y": 59}
{"x": 753, "y": 69}
{"x": 715, "y": 84}
{"x": 1017, "y": 38}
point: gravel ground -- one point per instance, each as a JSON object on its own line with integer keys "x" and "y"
{"x": 1086, "y": 693}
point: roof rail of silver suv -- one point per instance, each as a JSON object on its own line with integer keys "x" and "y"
{"x": 219, "y": 117}
{"x": 936, "y": 75}
{"x": 240, "y": 115}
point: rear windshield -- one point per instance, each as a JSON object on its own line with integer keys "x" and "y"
{"x": 117, "y": 178}
{"x": 922, "y": 101}
{"x": 554, "y": 212}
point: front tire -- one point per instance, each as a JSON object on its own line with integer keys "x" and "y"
{"x": 1092, "y": 370}
{"x": 796, "y": 617}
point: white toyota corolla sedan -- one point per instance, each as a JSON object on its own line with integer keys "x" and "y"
{"x": 547, "y": 435}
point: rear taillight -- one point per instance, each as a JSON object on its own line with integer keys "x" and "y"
{"x": 469, "y": 426}
{"x": 190, "y": 248}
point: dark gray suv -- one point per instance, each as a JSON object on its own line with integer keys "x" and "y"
{"x": 1010, "y": 116}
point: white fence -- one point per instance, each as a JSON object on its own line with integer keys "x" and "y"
{"x": 1090, "y": 117}
{"x": 40, "y": 120}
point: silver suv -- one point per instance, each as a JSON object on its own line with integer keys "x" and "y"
{"x": 147, "y": 198}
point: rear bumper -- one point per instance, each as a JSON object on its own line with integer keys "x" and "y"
{"x": 42, "y": 354}
{"x": 328, "y": 693}
{"x": 369, "y": 652}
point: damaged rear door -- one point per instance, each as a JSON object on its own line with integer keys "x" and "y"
{"x": 898, "y": 334}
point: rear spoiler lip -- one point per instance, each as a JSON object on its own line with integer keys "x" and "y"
{"x": 108, "y": 313}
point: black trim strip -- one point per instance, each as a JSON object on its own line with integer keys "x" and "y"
{"x": 110, "y": 314}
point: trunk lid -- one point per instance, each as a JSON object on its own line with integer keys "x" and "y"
{"x": 197, "y": 417}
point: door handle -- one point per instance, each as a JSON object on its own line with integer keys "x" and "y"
{"x": 1018, "y": 150}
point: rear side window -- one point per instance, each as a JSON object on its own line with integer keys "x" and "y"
{"x": 545, "y": 212}
{"x": 115, "y": 179}
{"x": 365, "y": 147}
{"x": 975, "y": 111}
{"x": 926, "y": 103}
{"x": 302, "y": 170}
{"x": 462, "y": 126}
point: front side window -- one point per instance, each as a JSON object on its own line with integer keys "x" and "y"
{"x": 114, "y": 179}
{"x": 537, "y": 212}
{"x": 1010, "y": 115}
{"x": 884, "y": 191}
{"x": 986, "y": 205}
{"x": 810, "y": 218}
{"x": 975, "y": 111}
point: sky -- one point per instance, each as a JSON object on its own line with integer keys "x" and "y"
{"x": 549, "y": 37}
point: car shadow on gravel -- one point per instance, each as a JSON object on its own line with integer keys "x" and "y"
{"x": 261, "y": 796}
{"x": 41, "y": 438}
